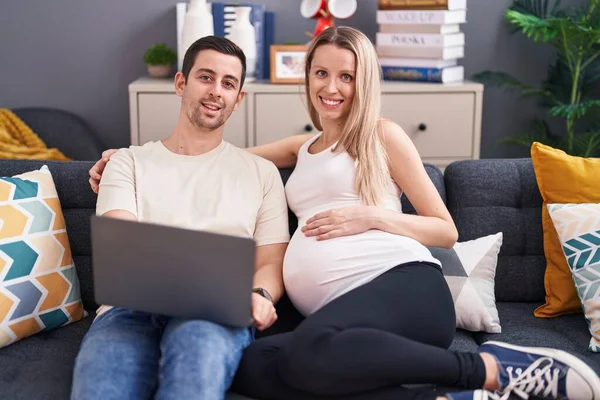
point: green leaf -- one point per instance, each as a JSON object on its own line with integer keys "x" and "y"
{"x": 534, "y": 27}
{"x": 540, "y": 132}
{"x": 538, "y": 8}
{"x": 574, "y": 32}
{"x": 585, "y": 144}
{"x": 508, "y": 82}
{"x": 574, "y": 111}
{"x": 589, "y": 78}
{"x": 558, "y": 82}
{"x": 525, "y": 140}
{"x": 593, "y": 125}
{"x": 593, "y": 12}
{"x": 160, "y": 54}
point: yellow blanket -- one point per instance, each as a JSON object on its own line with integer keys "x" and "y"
{"x": 18, "y": 141}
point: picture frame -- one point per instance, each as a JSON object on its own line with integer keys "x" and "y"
{"x": 287, "y": 63}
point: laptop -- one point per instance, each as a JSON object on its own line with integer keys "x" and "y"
{"x": 172, "y": 271}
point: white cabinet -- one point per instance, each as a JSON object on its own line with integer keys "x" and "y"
{"x": 158, "y": 114}
{"x": 443, "y": 120}
{"x": 441, "y": 125}
{"x": 278, "y": 115}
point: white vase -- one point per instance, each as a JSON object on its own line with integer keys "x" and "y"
{"x": 243, "y": 34}
{"x": 198, "y": 23}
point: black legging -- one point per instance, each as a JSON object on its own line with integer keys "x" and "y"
{"x": 392, "y": 331}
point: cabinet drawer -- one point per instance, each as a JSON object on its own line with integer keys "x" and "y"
{"x": 440, "y": 125}
{"x": 158, "y": 114}
{"x": 279, "y": 115}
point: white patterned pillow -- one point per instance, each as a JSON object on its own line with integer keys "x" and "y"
{"x": 470, "y": 270}
{"x": 39, "y": 286}
{"x": 578, "y": 229}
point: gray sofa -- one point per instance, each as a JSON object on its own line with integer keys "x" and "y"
{"x": 64, "y": 130}
{"x": 484, "y": 197}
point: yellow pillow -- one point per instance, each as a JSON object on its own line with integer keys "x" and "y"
{"x": 561, "y": 178}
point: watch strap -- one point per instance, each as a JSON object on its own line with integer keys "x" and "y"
{"x": 263, "y": 293}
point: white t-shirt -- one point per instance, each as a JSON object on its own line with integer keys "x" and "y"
{"x": 226, "y": 190}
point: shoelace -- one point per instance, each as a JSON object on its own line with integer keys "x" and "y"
{"x": 487, "y": 395}
{"x": 534, "y": 380}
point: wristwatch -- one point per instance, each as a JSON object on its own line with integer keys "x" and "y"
{"x": 263, "y": 293}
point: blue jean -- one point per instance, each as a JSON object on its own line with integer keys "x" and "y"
{"x": 135, "y": 355}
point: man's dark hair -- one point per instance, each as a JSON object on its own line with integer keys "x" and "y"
{"x": 217, "y": 43}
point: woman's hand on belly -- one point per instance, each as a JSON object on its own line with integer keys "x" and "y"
{"x": 338, "y": 222}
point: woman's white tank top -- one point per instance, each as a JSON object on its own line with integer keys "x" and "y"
{"x": 316, "y": 272}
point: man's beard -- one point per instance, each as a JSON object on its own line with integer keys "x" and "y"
{"x": 198, "y": 119}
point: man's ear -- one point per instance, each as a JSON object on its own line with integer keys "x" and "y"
{"x": 240, "y": 97}
{"x": 179, "y": 83}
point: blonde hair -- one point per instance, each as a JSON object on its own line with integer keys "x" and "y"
{"x": 360, "y": 137}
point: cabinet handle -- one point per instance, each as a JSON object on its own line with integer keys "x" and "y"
{"x": 422, "y": 126}
{"x": 308, "y": 128}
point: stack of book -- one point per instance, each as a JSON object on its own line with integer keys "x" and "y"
{"x": 421, "y": 40}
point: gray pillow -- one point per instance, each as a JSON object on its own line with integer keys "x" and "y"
{"x": 470, "y": 270}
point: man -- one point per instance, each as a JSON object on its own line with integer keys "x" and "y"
{"x": 195, "y": 180}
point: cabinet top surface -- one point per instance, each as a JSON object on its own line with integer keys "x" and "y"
{"x": 146, "y": 84}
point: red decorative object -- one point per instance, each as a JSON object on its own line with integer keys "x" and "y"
{"x": 324, "y": 11}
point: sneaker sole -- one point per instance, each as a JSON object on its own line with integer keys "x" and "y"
{"x": 585, "y": 370}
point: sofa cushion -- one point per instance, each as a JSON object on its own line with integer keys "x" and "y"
{"x": 78, "y": 202}
{"x": 463, "y": 341}
{"x": 569, "y": 333}
{"x": 82, "y": 261}
{"x": 437, "y": 177}
{"x": 39, "y": 288}
{"x": 490, "y": 196}
{"x": 578, "y": 228}
{"x": 64, "y": 130}
{"x": 561, "y": 178}
{"x": 469, "y": 269}
{"x": 70, "y": 178}
{"x": 41, "y": 366}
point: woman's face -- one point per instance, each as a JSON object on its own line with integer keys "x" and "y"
{"x": 332, "y": 81}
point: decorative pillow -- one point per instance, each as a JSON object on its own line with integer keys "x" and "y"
{"x": 561, "y": 179}
{"x": 578, "y": 228}
{"x": 470, "y": 270}
{"x": 39, "y": 287}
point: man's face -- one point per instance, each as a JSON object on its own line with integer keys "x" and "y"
{"x": 212, "y": 91}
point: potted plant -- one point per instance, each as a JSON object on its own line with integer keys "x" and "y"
{"x": 568, "y": 92}
{"x": 159, "y": 59}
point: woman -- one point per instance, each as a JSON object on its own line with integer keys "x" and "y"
{"x": 379, "y": 313}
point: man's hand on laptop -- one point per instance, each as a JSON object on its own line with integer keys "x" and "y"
{"x": 263, "y": 312}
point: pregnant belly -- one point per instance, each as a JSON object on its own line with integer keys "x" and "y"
{"x": 316, "y": 272}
